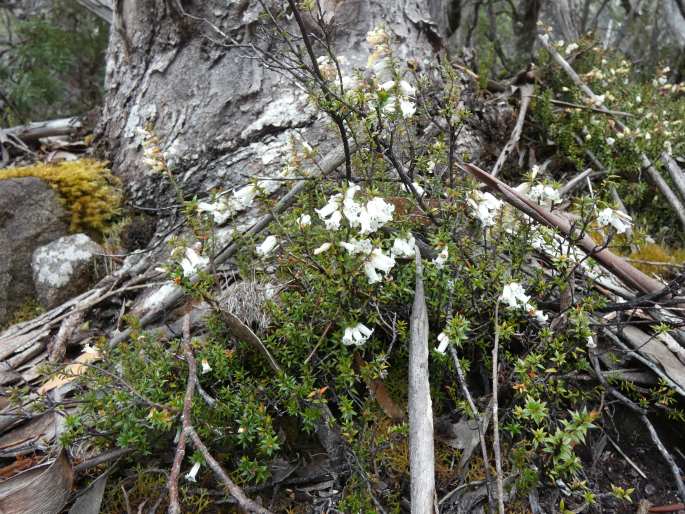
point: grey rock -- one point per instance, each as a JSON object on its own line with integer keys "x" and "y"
{"x": 30, "y": 216}
{"x": 65, "y": 268}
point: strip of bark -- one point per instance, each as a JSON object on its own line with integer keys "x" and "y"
{"x": 421, "y": 449}
{"x": 495, "y": 415}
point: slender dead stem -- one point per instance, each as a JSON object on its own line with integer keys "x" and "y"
{"x": 495, "y": 415}
{"x": 245, "y": 503}
{"x": 174, "y": 504}
{"x": 481, "y": 424}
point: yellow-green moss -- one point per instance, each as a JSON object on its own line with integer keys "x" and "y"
{"x": 86, "y": 188}
{"x": 654, "y": 258}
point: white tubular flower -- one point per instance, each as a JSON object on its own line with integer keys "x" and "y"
{"x": 333, "y": 221}
{"x": 330, "y": 213}
{"x": 206, "y": 368}
{"x": 192, "y": 262}
{"x": 324, "y": 247}
{"x": 356, "y": 335}
{"x": 444, "y": 342}
{"x": 377, "y": 261}
{"x": 514, "y": 296}
{"x": 192, "y": 474}
{"x": 407, "y": 108}
{"x": 611, "y": 141}
{"x": 403, "y": 248}
{"x": 375, "y": 214}
{"x": 540, "y": 316}
{"x": 351, "y": 209}
{"x": 441, "y": 259}
{"x": 355, "y": 246}
{"x": 485, "y": 207}
{"x": 267, "y": 246}
{"x": 620, "y": 221}
{"x": 304, "y": 221}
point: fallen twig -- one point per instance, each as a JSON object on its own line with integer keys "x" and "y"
{"x": 526, "y": 91}
{"x": 174, "y": 504}
{"x": 421, "y": 449}
{"x": 245, "y": 503}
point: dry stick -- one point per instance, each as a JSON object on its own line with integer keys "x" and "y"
{"x": 495, "y": 415}
{"x": 479, "y": 419}
{"x": 245, "y": 503}
{"x": 676, "y": 173}
{"x": 526, "y": 94}
{"x": 647, "y": 166}
{"x": 627, "y": 273}
{"x": 421, "y": 449}
{"x": 174, "y": 504}
{"x": 329, "y": 164}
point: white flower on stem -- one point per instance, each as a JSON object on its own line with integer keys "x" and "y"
{"x": 405, "y": 88}
{"x": 571, "y": 48}
{"x": 206, "y": 368}
{"x": 356, "y": 335}
{"x": 355, "y": 246}
{"x": 546, "y": 195}
{"x": 611, "y": 141}
{"x": 441, "y": 259}
{"x": 324, "y": 247}
{"x": 192, "y": 262}
{"x": 192, "y": 474}
{"x": 407, "y": 108}
{"x": 375, "y": 262}
{"x": 485, "y": 207}
{"x": 620, "y": 221}
{"x": 403, "y": 248}
{"x": 375, "y": 214}
{"x": 304, "y": 221}
{"x": 267, "y": 246}
{"x": 444, "y": 342}
{"x": 514, "y": 296}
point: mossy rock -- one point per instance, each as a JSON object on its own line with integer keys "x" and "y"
{"x": 85, "y": 187}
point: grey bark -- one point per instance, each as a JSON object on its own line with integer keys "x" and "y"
{"x": 101, "y": 8}
{"x": 421, "y": 446}
{"x": 674, "y": 11}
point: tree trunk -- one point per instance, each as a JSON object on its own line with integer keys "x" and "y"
{"x": 221, "y": 117}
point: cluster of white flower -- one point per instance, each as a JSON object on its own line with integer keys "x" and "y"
{"x": 379, "y": 40}
{"x": 403, "y": 95}
{"x": 485, "y": 207}
{"x": 227, "y": 206}
{"x": 515, "y": 297}
{"x": 441, "y": 259}
{"x": 367, "y": 218}
{"x": 356, "y": 335}
{"x": 152, "y": 153}
{"x": 545, "y": 195}
{"x": 620, "y": 221}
